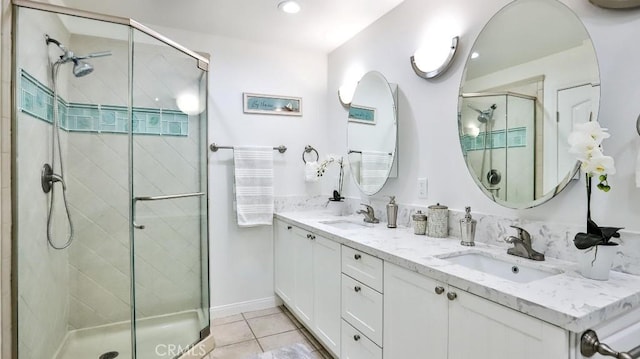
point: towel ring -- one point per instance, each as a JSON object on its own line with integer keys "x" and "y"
{"x": 309, "y": 149}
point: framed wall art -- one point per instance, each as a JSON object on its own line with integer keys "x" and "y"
{"x": 272, "y": 105}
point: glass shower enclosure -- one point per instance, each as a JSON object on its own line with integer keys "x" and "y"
{"x": 498, "y": 139}
{"x": 110, "y": 188}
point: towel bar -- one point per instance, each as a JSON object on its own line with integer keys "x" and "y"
{"x": 354, "y": 151}
{"x": 214, "y": 148}
{"x": 590, "y": 345}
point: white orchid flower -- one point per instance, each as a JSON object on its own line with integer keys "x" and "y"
{"x": 593, "y": 130}
{"x": 582, "y": 145}
{"x": 599, "y": 164}
{"x": 585, "y": 142}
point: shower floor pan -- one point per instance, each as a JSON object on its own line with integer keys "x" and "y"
{"x": 154, "y": 338}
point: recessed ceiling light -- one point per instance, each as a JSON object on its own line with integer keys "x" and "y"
{"x": 475, "y": 55}
{"x": 289, "y": 6}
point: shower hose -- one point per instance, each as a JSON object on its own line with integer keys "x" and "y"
{"x": 56, "y": 147}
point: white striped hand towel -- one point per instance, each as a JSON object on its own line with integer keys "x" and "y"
{"x": 374, "y": 170}
{"x": 254, "y": 185}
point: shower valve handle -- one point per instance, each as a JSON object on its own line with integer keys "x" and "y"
{"x": 47, "y": 178}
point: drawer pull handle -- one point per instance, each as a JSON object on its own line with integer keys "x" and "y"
{"x": 313, "y": 237}
{"x": 357, "y": 256}
{"x": 356, "y": 337}
{"x": 452, "y": 295}
{"x": 357, "y": 288}
{"x": 289, "y": 227}
{"x": 439, "y": 290}
{"x": 308, "y": 236}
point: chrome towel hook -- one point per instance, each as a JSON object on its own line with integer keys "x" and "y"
{"x": 309, "y": 149}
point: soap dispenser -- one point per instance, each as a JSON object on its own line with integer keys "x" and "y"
{"x": 392, "y": 212}
{"x": 467, "y": 228}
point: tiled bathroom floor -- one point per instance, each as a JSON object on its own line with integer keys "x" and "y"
{"x": 245, "y": 335}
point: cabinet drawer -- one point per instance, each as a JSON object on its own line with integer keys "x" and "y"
{"x": 363, "y": 267}
{"x": 357, "y": 346}
{"x": 362, "y": 308}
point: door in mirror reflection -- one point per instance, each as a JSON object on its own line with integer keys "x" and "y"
{"x": 531, "y": 75}
{"x": 372, "y": 132}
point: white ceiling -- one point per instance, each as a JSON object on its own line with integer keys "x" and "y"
{"x": 321, "y": 25}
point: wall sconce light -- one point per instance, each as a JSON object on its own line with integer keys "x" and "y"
{"x": 345, "y": 93}
{"x": 424, "y": 66}
{"x": 349, "y": 84}
{"x": 616, "y": 4}
{"x": 189, "y": 103}
{"x": 472, "y": 130}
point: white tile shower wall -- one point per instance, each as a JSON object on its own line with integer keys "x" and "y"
{"x": 166, "y": 252}
{"x": 43, "y": 277}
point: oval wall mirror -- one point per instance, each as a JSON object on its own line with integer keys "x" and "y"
{"x": 531, "y": 75}
{"x": 372, "y": 132}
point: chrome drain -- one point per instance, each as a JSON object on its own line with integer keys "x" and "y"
{"x": 109, "y": 355}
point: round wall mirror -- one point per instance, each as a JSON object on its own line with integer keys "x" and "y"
{"x": 372, "y": 132}
{"x": 531, "y": 75}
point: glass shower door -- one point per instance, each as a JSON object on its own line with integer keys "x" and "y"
{"x": 169, "y": 199}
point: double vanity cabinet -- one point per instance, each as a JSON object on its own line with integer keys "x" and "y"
{"x": 364, "y": 305}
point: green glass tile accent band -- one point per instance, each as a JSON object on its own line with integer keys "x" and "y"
{"x": 36, "y": 99}
{"x": 513, "y": 137}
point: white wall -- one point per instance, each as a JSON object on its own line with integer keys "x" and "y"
{"x": 427, "y": 109}
{"x": 241, "y": 260}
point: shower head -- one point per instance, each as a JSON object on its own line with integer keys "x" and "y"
{"x": 81, "y": 68}
{"x": 486, "y": 115}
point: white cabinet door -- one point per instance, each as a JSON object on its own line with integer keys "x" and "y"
{"x": 415, "y": 315}
{"x": 303, "y": 276}
{"x": 326, "y": 277}
{"x": 481, "y": 329}
{"x": 284, "y": 261}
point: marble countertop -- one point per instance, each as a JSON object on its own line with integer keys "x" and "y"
{"x": 567, "y": 299}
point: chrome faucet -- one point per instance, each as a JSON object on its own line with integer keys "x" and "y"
{"x": 522, "y": 245}
{"x": 369, "y": 214}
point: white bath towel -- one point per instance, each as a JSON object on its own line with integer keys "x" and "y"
{"x": 254, "y": 185}
{"x": 638, "y": 167}
{"x": 311, "y": 171}
{"x": 374, "y": 169}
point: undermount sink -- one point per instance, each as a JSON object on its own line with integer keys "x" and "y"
{"x": 346, "y": 224}
{"x": 500, "y": 268}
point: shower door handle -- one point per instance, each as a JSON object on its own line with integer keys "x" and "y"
{"x": 158, "y": 198}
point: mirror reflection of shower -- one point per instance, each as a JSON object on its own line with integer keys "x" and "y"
{"x": 493, "y": 176}
{"x": 49, "y": 176}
